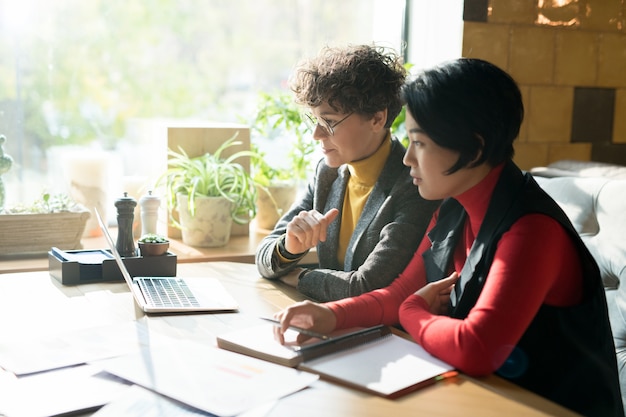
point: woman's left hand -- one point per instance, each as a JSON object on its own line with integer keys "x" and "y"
{"x": 437, "y": 294}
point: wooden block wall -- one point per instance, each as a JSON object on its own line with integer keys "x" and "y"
{"x": 570, "y": 62}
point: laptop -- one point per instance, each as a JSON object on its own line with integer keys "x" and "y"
{"x": 162, "y": 295}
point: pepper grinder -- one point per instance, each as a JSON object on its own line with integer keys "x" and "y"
{"x": 149, "y": 213}
{"x": 125, "y": 216}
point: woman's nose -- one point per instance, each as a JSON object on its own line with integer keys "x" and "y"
{"x": 406, "y": 159}
{"x": 319, "y": 133}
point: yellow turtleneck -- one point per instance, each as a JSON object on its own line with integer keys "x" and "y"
{"x": 363, "y": 177}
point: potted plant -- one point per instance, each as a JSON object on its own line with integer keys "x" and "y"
{"x": 51, "y": 220}
{"x": 209, "y": 192}
{"x": 278, "y": 116}
{"x": 152, "y": 244}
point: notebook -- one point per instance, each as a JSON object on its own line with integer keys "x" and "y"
{"x": 159, "y": 295}
{"x": 374, "y": 360}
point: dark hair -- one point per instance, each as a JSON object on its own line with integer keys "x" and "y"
{"x": 362, "y": 79}
{"x": 470, "y": 106}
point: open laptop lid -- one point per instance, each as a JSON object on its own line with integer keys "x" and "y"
{"x": 129, "y": 280}
{"x": 210, "y": 293}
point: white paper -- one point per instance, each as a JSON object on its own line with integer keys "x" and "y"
{"x": 210, "y": 379}
{"x": 72, "y": 348}
{"x": 58, "y": 392}
{"x": 386, "y": 365}
{"x": 140, "y": 402}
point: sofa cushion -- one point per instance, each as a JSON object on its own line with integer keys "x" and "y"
{"x": 597, "y": 209}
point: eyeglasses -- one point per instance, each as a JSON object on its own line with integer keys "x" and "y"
{"x": 312, "y": 122}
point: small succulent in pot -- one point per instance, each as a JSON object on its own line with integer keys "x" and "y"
{"x": 152, "y": 244}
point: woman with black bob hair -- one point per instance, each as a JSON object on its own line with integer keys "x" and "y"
{"x": 482, "y": 124}
{"x": 502, "y": 282}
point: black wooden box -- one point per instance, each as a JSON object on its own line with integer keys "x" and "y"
{"x": 98, "y": 265}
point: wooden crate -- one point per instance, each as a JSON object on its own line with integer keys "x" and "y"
{"x": 37, "y": 233}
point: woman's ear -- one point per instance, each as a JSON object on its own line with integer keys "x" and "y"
{"x": 379, "y": 120}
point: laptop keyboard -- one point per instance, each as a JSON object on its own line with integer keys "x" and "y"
{"x": 167, "y": 292}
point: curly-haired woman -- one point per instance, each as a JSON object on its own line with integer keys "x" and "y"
{"x": 361, "y": 210}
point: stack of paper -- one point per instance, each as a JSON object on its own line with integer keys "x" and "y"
{"x": 213, "y": 380}
{"x": 203, "y": 377}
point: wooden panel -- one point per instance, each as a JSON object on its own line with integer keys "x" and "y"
{"x": 532, "y": 55}
{"x": 549, "y": 114}
{"x": 592, "y": 117}
{"x": 487, "y": 41}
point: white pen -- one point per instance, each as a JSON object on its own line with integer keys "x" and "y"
{"x": 298, "y": 329}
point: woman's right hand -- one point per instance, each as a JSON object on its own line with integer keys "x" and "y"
{"x": 307, "y": 229}
{"x": 306, "y": 314}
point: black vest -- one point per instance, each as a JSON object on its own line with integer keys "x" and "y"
{"x": 567, "y": 353}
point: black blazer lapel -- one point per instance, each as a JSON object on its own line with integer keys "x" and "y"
{"x": 335, "y": 200}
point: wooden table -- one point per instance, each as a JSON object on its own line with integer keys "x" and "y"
{"x": 55, "y": 308}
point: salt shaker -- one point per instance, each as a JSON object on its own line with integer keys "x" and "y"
{"x": 125, "y": 216}
{"x": 149, "y": 213}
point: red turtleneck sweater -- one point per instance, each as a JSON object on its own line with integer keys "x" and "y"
{"x": 536, "y": 263}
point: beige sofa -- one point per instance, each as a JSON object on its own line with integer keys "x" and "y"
{"x": 597, "y": 208}
{"x": 573, "y": 168}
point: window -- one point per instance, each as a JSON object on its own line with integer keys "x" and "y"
{"x": 435, "y": 31}
{"x": 76, "y": 74}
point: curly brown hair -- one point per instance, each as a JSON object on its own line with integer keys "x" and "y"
{"x": 363, "y": 79}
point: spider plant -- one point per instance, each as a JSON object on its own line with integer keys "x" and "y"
{"x": 211, "y": 175}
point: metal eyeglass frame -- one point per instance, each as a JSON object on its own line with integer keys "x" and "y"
{"x": 312, "y": 122}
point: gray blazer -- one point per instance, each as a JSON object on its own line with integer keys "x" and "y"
{"x": 386, "y": 236}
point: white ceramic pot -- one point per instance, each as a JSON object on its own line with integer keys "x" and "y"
{"x": 211, "y": 224}
{"x": 272, "y": 206}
